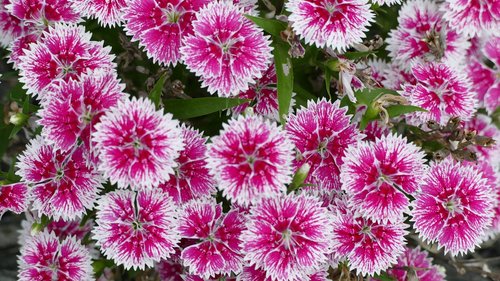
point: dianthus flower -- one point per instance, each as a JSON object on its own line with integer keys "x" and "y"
{"x": 74, "y": 107}
{"x": 19, "y": 46}
{"x": 379, "y": 175}
{"x": 251, "y": 273}
{"x": 424, "y": 35}
{"x": 137, "y": 144}
{"x": 375, "y": 130}
{"x": 376, "y": 69}
{"x": 371, "y": 247}
{"x": 288, "y": 236}
{"x": 191, "y": 178}
{"x": 160, "y": 26}
{"x": 64, "y": 52}
{"x": 45, "y": 257}
{"x": 321, "y": 133}
{"x": 218, "y": 250}
{"x": 226, "y": 49}
{"x": 415, "y": 263}
{"x": 396, "y": 77}
{"x": 483, "y": 126}
{"x": 107, "y": 12}
{"x": 38, "y": 14}
{"x": 387, "y": 2}
{"x": 63, "y": 184}
{"x": 136, "y": 229}
{"x": 14, "y": 198}
{"x": 191, "y": 277}
{"x": 263, "y": 96}
{"x": 334, "y": 24}
{"x": 11, "y": 27}
{"x": 170, "y": 270}
{"x": 442, "y": 91}
{"x": 472, "y": 17}
{"x": 250, "y": 159}
{"x": 454, "y": 207}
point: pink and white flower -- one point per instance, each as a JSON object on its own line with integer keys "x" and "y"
{"x": 471, "y": 17}
{"x": 251, "y": 273}
{"x": 226, "y": 50}
{"x": 191, "y": 178}
{"x": 160, "y": 26}
{"x": 375, "y": 130}
{"x": 218, "y": 250}
{"x": 136, "y": 229}
{"x": 137, "y": 144}
{"x": 36, "y": 15}
{"x": 483, "y": 125}
{"x": 379, "y": 175}
{"x": 73, "y": 108}
{"x": 14, "y": 198}
{"x": 11, "y": 27}
{"x": 334, "y": 24}
{"x": 288, "y": 236}
{"x": 371, "y": 247}
{"x": 64, "y": 52}
{"x": 62, "y": 184}
{"x": 423, "y": 34}
{"x": 107, "y": 12}
{"x": 415, "y": 263}
{"x": 19, "y": 46}
{"x": 454, "y": 207}
{"x": 251, "y": 158}
{"x": 45, "y": 257}
{"x": 442, "y": 91}
{"x": 321, "y": 134}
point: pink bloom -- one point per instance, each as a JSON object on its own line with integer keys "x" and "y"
{"x": 45, "y": 257}
{"x": 472, "y": 17}
{"x": 491, "y": 50}
{"x": 107, "y": 12}
{"x": 14, "y": 198}
{"x": 218, "y": 250}
{"x": 379, "y": 175}
{"x": 19, "y": 46}
{"x": 334, "y": 24}
{"x": 64, "y": 52}
{"x": 482, "y": 77}
{"x": 423, "y": 34}
{"x": 63, "y": 184}
{"x": 251, "y": 273}
{"x": 414, "y": 263}
{"x": 169, "y": 270}
{"x": 371, "y": 247}
{"x": 387, "y": 2}
{"x": 191, "y": 277}
{"x": 191, "y": 178}
{"x": 321, "y": 133}
{"x": 74, "y": 107}
{"x": 11, "y": 27}
{"x": 377, "y": 69}
{"x": 375, "y": 130}
{"x": 137, "y": 144}
{"x": 483, "y": 126}
{"x": 226, "y": 49}
{"x": 263, "y": 96}
{"x": 250, "y": 159}
{"x": 63, "y": 229}
{"x": 288, "y": 236}
{"x": 454, "y": 207}
{"x": 38, "y": 14}
{"x": 160, "y": 26}
{"x": 396, "y": 76}
{"x": 442, "y": 91}
{"x": 136, "y": 229}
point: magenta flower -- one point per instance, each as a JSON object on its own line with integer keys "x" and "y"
{"x": 11, "y": 27}
{"x": 63, "y": 184}
{"x": 38, "y": 14}
{"x": 14, "y": 198}
{"x": 218, "y": 250}
{"x": 414, "y": 263}
{"x": 288, "y": 236}
{"x": 19, "y": 46}
{"x": 483, "y": 126}
{"x": 378, "y": 175}
{"x": 454, "y": 207}
{"x": 472, "y": 17}
{"x": 137, "y": 144}
{"x": 396, "y": 77}
{"x": 321, "y": 133}
{"x": 334, "y": 24}
{"x": 226, "y": 49}
{"x": 387, "y": 2}
{"x": 64, "y": 52}
{"x": 263, "y": 95}
{"x": 74, "y": 107}
{"x": 371, "y": 247}
{"x": 442, "y": 91}
{"x": 251, "y": 158}
{"x": 45, "y": 257}
{"x": 424, "y": 35}
{"x": 251, "y": 273}
{"x": 160, "y": 26}
{"x": 170, "y": 270}
{"x": 136, "y": 229}
{"x": 375, "y": 130}
{"x": 107, "y": 12}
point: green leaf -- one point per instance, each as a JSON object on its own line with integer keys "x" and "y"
{"x": 155, "y": 94}
{"x": 100, "y": 265}
{"x": 384, "y": 277}
{"x": 17, "y": 93}
{"x": 328, "y": 79}
{"x": 190, "y": 108}
{"x": 284, "y": 73}
{"x": 399, "y": 109}
{"x": 356, "y": 55}
{"x": 271, "y": 26}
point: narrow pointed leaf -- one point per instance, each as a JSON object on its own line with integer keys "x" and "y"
{"x": 190, "y": 108}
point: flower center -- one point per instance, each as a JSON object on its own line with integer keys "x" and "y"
{"x": 322, "y": 148}
{"x": 366, "y": 229}
{"x": 435, "y": 43}
{"x": 136, "y": 225}
{"x": 286, "y": 236}
{"x": 330, "y": 7}
{"x": 452, "y": 206}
